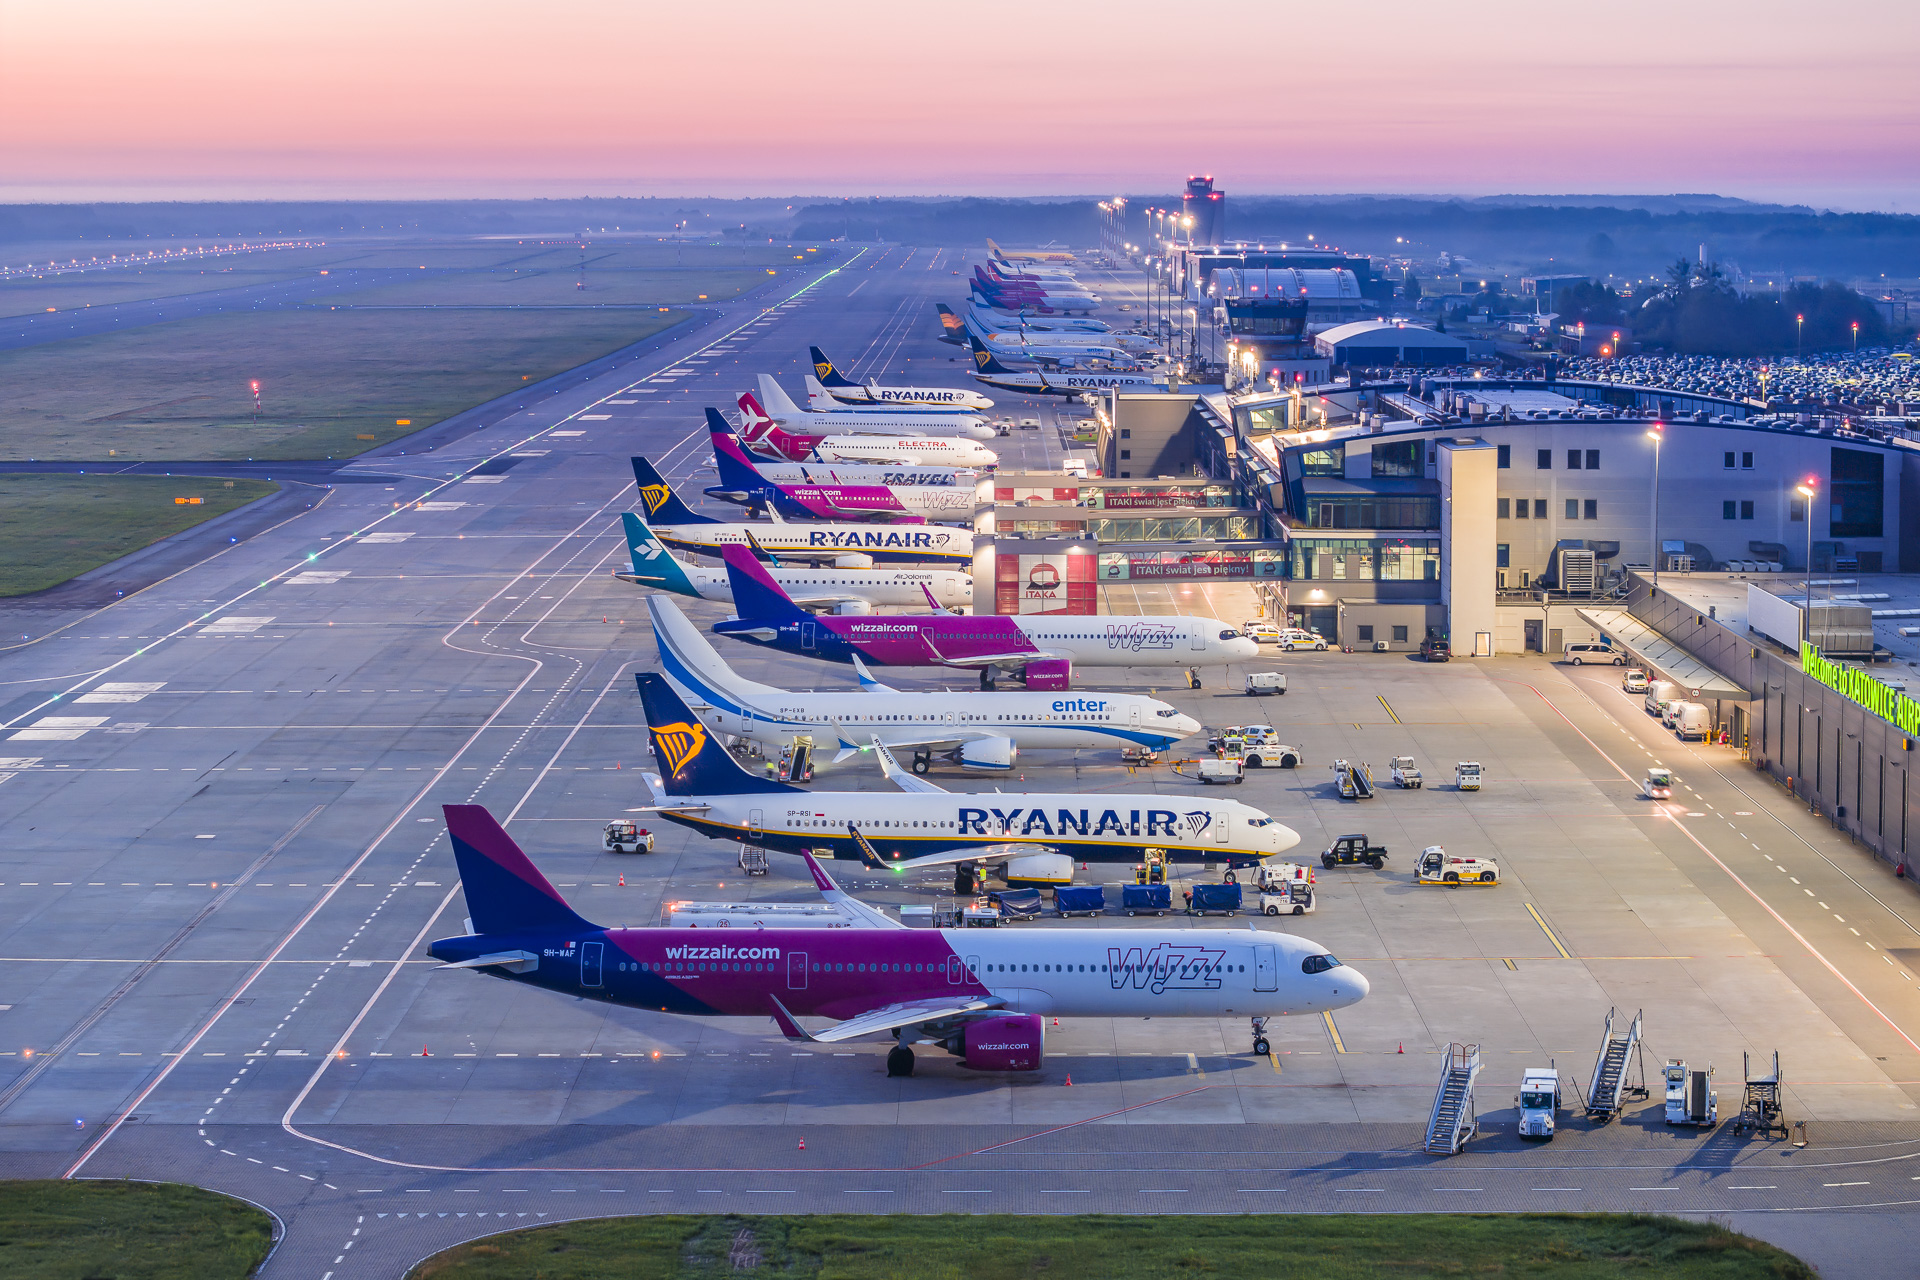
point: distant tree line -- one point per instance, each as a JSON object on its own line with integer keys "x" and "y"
{"x": 1698, "y": 313}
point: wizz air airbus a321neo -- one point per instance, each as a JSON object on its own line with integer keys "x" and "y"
{"x": 981, "y": 995}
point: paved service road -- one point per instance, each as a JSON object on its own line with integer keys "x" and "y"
{"x": 219, "y": 803}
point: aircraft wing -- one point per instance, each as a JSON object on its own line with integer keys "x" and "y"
{"x": 867, "y": 681}
{"x": 864, "y": 916}
{"x": 995, "y": 659}
{"x": 871, "y": 859}
{"x": 899, "y": 777}
{"x": 820, "y": 601}
{"x": 659, "y": 789}
{"x": 885, "y": 1018}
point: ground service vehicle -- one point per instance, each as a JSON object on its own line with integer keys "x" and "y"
{"x": 1539, "y": 1103}
{"x": 1285, "y": 890}
{"x": 1578, "y": 654}
{"x": 1437, "y": 866}
{"x": 1691, "y": 1099}
{"x": 1348, "y": 850}
{"x": 1231, "y": 769}
{"x": 1214, "y": 900}
{"x": 1259, "y": 735}
{"x": 1295, "y": 638}
{"x": 1406, "y": 774}
{"x": 1149, "y": 899}
{"x": 1635, "y": 681}
{"x": 1275, "y": 755}
{"x": 1354, "y": 780}
{"x": 622, "y": 836}
{"x": 1435, "y": 649}
{"x": 1080, "y": 899}
{"x": 1260, "y": 683}
{"x": 1658, "y": 784}
{"x": 1692, "y": 722}
{"x": 1659, "y": 694}
{"x": 1466, "y": 775}
{"x": 1264, "y": 632}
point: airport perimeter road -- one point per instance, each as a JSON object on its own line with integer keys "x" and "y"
{"x": 223, "y": 855}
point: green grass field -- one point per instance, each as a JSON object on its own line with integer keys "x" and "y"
{"x": 53, "y": 527}
{"x": 1266, "y": 1247}
{"x": 414, "y": 349}
{"x": 127, "y": 1231}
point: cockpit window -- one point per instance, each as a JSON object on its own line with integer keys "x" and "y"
{"x": 1168, "y": 714}
{"x": 1259, "y": 822}
{"x": 1318, "y": 964}
{"x": 1229, "y": 635}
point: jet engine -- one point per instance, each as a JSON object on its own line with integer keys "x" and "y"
{"x": 1040, "y": 870}
{"x": 1049, "y": 675}
{"x": 988, "y": 753}
{"x": 1013, "y": 1042}
{"x": 853, "y": 561}
{"x": 853, "y": 609}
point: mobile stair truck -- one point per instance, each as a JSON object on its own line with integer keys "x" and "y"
{"x": 1620, "y": 1059}
{"x": 1539, "y": 1103}
{"x": 1452, "y": 1121}
{"x": 1690, "y": 1096}
{"x": 1354, "y": 780}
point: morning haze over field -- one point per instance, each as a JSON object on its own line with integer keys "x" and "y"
{"x": 869, "y": 640}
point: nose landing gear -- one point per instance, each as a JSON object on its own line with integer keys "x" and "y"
{"x": 1260, "y": 1045}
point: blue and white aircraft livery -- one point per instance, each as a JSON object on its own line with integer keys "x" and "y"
{"x": 972, "y": 729}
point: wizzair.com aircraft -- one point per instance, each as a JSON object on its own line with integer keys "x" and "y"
{"x": 833, "y": 590}
{"x": 1040, "y": 650}
{"x": 982, "y": 995}
{"x": 872, "y": 394}
{"x": 815, "y": 496}
{"x": 971, "y": 729}
{"x": 928, "y": 420}
{"x": 846, "y": 545}
{"x": 766, "y": 437}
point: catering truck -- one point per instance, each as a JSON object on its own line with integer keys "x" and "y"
{"x": 1539, "y": 1103}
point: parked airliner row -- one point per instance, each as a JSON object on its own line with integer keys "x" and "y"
{"x": 768, "y": 439}
{"x": 921, "y": 420}
{"x": 973, "y": 729}
{"x": 1041, "y": 650}
{"x": 981, "y": 995}
{"x": 872, "y": 395}
{"x": 850, "y": 546}
{"x": 816, "y": 587}
{"x": 816, "y": 495}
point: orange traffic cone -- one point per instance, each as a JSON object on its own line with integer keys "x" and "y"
{"x": 623, "y": 882}
{"x": 1402, "y": 1048}
{"x": 424, "y": 1053}
{"x": 803, "y": 1144}
{"x": 1069, "y": 1082}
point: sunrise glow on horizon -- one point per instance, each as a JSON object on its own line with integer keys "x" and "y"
{"x": 220, "y": 100}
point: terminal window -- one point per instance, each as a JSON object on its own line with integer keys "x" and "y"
{"x": 1539, "y": 508}
{"x": 1543, "y": 461}
{"x": 1858, "y": 496}
{"x": 1746, "y": 510}
{"x": 1726, "y": 509}
{"x": 1500, "y": 555}
{"x": 1573, "y": 459}
{"x": 1505, "y": 460}
{"x": 1503, "y": 512}
{"x": 1400, "y": 634}
{"x": 1366, "y": 635}
{"x": 1746, "y": 462}
{"x": 1520, "y": 508}
{"x": 1573, "y": 508}
{"x": 1593, "y": 459}
{"x": 1593, "y": 508}
{"x": 1726, "y": 460}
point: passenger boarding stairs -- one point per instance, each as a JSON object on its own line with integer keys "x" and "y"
{"x": 1453, "y": 1120}
{"x": 1356, "y": 780}
{"x": 1618, "y": 1071}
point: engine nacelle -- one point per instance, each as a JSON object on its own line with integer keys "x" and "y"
{"x": 853, "y": 609}
{"x": 1050, "y": 675}
{"x": 988, "y": 753}
{"x": 853, "y": 561}
{"x": 1040, "y": 870}
{"x": 1015, "y": 1042}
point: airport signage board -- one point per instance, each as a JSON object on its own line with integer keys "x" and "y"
{"x": 1856, "y": 685}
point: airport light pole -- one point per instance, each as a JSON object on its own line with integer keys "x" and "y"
{"x": 1657, "y": 435}
{"x": 1806, "y": 490}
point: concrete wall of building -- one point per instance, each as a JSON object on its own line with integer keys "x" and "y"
{"x": 1152, "y": 433}
{"x": 1555, "y": 625}
{"x": 1468, "y": 480}
{"x": 1413, "y": 619}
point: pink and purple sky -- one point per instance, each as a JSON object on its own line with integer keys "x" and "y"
{"x": 218, "y": 99}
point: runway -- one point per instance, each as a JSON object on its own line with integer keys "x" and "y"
{"x": 223, "y": 856}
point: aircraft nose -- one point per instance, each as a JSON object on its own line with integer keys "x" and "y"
{"x": 1244, "y": 648}
{"x": 1353, "y": 985}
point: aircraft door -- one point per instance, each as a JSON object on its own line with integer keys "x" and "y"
{"x": 1199, "y": 639}
{"x": 756, "y": 822}
{"x": 1133, "y": 716}
{"x": 796, "y": 971}
{"x": 956, "y": 970}
{"x": 590, "y": 964}
{"x": 809, "y": 634}
{"x": 1222, "y": 828}
{"x": 1266, "y": 969}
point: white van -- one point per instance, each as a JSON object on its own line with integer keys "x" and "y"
{"x": 1659, "y": 694}
{"x": 1692, "y": 722}
{"x": 1583, "y": 653}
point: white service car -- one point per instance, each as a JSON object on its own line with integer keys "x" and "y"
{"x": 1262, "y": 632}
{"x": 1295, "y": 638}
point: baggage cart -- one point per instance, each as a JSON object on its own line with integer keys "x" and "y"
{"x": 1080, "y": 899}
{"x": 1146, "y": 899}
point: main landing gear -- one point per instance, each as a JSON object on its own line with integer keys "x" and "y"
{"x": 968, "y": 879}
{"x": 922, "y": 761}
{"x": 1193, "y": 678}
{"x": 1260, "y": 1045}
{"x": 899, "y": 1061}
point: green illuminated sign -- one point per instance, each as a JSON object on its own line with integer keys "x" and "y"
{"x": 1882, "y": 699}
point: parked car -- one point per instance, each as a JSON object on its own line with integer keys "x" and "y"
{"x": 1435, "y": 649}
{"x": 1264, "y": 632}
{"x": 1635, "y": 681}
{"x": 1579, "y": 654}
{"x": 1295, "y": 638}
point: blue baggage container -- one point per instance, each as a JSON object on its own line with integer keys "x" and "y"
{"x": 1017, "y": 904}
{"x": 1080, "y": 899}
{"x": 1214, "y": 899}
{"x": 1155, "y": 898}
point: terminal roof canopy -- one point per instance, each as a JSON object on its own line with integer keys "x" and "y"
{"x": 1667, "y": 658}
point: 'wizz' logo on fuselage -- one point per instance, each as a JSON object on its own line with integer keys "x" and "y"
{"x": 1138, "y": 636}
{"x": 1165, "y": 967}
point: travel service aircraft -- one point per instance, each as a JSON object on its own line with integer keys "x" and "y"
{"x": 982, "y": 995}
{"x": 766, "y": 437}
{"x": 818, "y": 498}
{"x": 848, "y": 546}
{"x": 865, "y": 394}
{"x": 975, "y": 730}
{"x": 780, "y": 471}
{"x": 834, "y": 590}
{"x": 1060, "y": 381}
{"x": 923, "y": 420}
{"x": 1041, "y": 650}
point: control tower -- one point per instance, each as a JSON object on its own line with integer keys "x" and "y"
{"x": 1207, "y": 208}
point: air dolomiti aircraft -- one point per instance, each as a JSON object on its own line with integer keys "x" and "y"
{"x": 839, "y": 591}
{"x": 1040, "y": 650}
{"x": 982, "y": 995}
{"x": 924, "y": 420}
{"x": 1059, "y": 382}
{"x": 975, "y": 730}
{"x": 871, "y": 394}
{"x": 766, "y": 437}
{"x": 848, "y": 546}
{"x": 1034, "y": 836}
{"x": 816, "y": 497}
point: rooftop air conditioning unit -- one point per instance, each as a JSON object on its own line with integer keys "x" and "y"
{"x": 1577, "y": 572}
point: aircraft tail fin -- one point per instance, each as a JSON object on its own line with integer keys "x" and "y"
{"x": 689, "y": 660}
{"x": 952, "y": 328}
{"x": 505, "y": 892}
{"x": 693, "y": 759}
{"x": 819, "y": 399}
{"x": 778, "y": 403}
{"x": 652, "y": 563}
{"x": 760, "y": 553}
{"x": 662, "y": 504}
{"x": 731, "y": 458}
{"x": 823, "y": 369}
{"x": 756, "y": 596}
{"x": 984, "y": 361}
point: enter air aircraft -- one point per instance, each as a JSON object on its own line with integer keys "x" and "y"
{"x": 975, "y": 730}
{"x": 982, "y": 995}
{"x": 1041, "y": 650}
